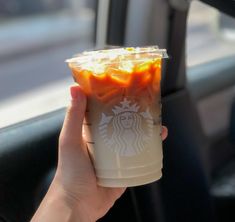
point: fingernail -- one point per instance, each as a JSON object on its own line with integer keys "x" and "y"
{"x": 74, "y": 92}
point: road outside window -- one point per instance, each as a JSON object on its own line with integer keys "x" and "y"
{"x": 210, "y": 34}
{"x": 35, "y": 39}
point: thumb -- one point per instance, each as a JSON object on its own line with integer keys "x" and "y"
{"x": 71, "y": 132}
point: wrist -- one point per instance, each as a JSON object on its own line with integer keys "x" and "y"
{"x": 58, "y": 191}
{"x": 70, "y": 201}
{"x": 54, "y": 207}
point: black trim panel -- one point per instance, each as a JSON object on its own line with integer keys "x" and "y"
{"x": 225, "y": 6}
{"x": 117, "y": 22}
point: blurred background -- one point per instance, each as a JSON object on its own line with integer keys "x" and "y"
{"x": 37, "y": 36}
{"x": 35, "y": 39}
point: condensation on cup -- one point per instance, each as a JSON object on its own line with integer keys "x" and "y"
{"x": 123, "y": 117}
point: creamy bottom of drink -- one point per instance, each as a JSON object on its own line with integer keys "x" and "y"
{"x": 123, "y": 136}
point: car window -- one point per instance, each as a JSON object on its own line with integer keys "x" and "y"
{"x": 35, "y": 39}
{"x": 210, "y": 34}
{"x": 210, "y": 66}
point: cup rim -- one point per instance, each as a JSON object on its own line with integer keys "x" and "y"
{"x": 116, "y": 52}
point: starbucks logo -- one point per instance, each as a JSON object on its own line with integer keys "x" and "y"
{"x": 127, "y": 131}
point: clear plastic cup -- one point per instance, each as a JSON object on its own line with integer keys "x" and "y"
{"x": 123, "y": 117}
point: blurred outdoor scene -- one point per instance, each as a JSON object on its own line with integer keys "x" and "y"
{"x": 35, "y": 39}
{"x": 37, "y": 36}
{"x": 211, "y": 34}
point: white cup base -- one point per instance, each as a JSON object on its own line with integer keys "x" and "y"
{"x": 130, "y": 182}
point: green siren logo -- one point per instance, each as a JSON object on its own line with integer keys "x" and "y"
{"x": 127, "y": 131}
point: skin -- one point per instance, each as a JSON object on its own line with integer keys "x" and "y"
{"x": 74, "y": 194}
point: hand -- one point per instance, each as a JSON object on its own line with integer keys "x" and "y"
{"x": 75, "y": 170}
{"x": 75, "y": 175}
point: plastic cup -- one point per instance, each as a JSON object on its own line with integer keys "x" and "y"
{"x": 123, "y": 117}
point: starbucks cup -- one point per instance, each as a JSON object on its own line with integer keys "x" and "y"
{"x": 123, "y": 117}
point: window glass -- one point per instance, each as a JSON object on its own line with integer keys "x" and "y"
{"x": 35, "y": 39}
{"x": 210, "y": 34}
{"x": 211, "y": 37}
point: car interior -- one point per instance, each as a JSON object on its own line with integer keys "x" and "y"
{"x": 198, "y": 108}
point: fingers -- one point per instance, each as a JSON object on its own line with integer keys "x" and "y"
{"x": 164, "y": 132}
{"x": 114, "y": 193}
{"x": 120, "y": 191}
{"x": 72, "y": 128}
